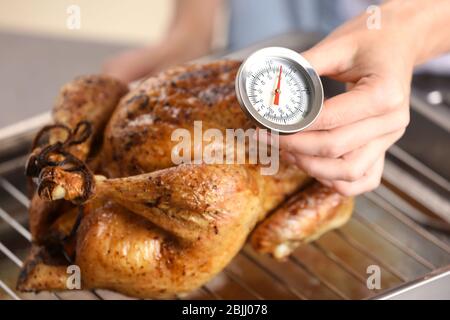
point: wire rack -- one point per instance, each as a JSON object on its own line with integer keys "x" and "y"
{"x": 333, "y": 267}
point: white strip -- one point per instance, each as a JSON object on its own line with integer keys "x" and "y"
{"x": 9, "y": 291}
{"x": 440, "y": 116}
{"x": 26, "y": 125}
{"x": 400, "y": 154}
{"x": 13, "y": 223}
{"x": 417, "y": 190}
{"x": 11, "y": 255}
{"x": 415, "y": 286}
{"x": 16, "y": 193}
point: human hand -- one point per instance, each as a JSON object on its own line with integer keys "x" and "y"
{"x": 345, "y": 147}
{"x": 138, "y": 63}
{"x": 189, "y": 37}
{"x": 131, "y": 65}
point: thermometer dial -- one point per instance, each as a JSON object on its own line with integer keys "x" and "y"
{"x": 279, "y": 90}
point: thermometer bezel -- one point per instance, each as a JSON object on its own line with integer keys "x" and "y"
{"x": 302, "y": 65}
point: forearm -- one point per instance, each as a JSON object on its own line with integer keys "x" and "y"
{"x": 427, "y": 23}
{"x": 437, "y": 37}
{"x": 192, "y": 26}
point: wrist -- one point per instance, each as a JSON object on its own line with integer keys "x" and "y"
{"x": 184, "y": 44}
{"x": 424, "y": 26}
{"x": 407, "y": 26}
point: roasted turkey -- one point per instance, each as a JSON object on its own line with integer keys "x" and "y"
{"x": 109, "y": 199}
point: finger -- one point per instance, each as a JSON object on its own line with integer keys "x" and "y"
{"x": 326, "y": 183}
{"x": 352, "y": 166}
{"x": 366, "y": 99}
{"x": 288, "y": 157}
{"x": 346, "y": 108}
{"x": 337, "y": 142}
{"x": 349, "y": 86}
{"x": 369, "y": 182}
{"x": 319, "y": 56}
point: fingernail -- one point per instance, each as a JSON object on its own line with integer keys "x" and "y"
{"x": 326, "y": 183}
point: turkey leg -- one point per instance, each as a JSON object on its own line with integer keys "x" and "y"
{"x": 81, "y": 111}
{"x": 305, "y": 217}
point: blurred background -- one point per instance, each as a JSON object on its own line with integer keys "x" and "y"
{"x": 38, "y": 52}
{"x": 137, "y": 22}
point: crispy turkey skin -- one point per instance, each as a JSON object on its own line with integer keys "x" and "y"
{"x": 110, "y": 200}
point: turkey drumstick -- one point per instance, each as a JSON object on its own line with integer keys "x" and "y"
{"x": 303, "y": 218}
{"x": 85, "y": 103}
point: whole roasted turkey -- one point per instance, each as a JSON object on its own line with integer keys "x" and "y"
{"x": 109, "y": 199}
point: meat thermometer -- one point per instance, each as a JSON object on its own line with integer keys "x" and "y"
{"x": 279, "y": 90}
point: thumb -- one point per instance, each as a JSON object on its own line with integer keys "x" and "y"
{"x": 330, "y": 57}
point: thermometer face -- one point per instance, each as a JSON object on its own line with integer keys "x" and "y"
{"x": 279, "y": 90}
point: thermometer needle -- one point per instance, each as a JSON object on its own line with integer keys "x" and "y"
{"x": 276, "y": 100}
